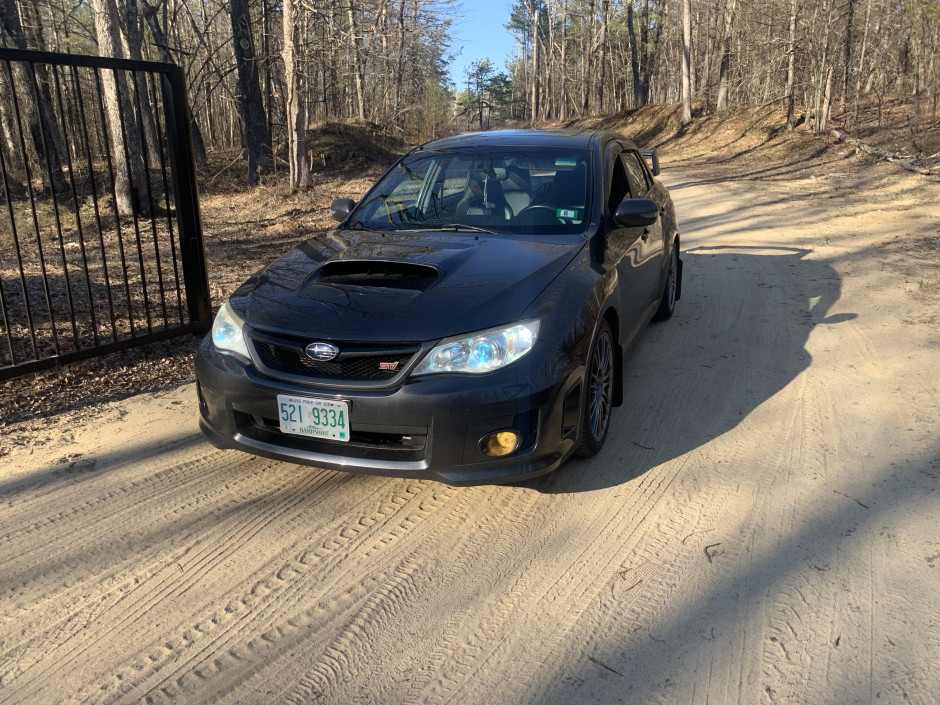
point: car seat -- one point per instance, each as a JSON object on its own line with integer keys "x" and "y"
{"x": 484, "y": 198}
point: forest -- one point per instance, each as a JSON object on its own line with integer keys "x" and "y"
{"x": 262, "y": 73}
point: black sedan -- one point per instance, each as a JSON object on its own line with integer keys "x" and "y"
{"x": 466, "y": 322}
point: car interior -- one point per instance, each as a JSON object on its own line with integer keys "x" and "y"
{"x": 512, "y": 193}
{"x": 525, "y": 192}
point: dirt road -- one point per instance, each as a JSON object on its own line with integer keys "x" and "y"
{"x": 762, "y": 526}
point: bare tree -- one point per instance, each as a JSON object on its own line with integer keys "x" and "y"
{"x": 35, "y": 104}
{"x": 299, "y": 173}
{"x": 129, "y": 177}
{"x": 791, "y": 65}
{"x": 601, "y": 62}
{"x": 725, "y": 65}
{"x": 161, "y": 42}
{"x": 358, "y": 75}
{"x": 256, "y": 136}
{"x": 535, "y": 12}
{"x": 686, "y": 62}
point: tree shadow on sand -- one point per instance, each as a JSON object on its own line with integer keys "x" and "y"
{"x": 738, "y": 337}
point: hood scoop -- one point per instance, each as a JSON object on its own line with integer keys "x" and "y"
{"x": 382, "y": 274}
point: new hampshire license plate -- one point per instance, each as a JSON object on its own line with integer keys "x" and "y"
{"x": 316, "y": 418}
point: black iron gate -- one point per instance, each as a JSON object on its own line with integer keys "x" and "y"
{"x": 100, "y": 237}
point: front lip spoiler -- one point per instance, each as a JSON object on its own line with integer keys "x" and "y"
{"x": 456, "y": 477}
{"x": 331, "y": 461}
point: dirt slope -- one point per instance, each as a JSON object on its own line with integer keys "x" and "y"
{"x": 761, "y": 527}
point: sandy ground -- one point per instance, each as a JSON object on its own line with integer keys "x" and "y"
{"x": 760, "y": 528}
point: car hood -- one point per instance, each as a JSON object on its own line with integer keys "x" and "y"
{"x": 363, "y": 285}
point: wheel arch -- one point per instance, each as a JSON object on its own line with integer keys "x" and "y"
{"x": 677, "y": 244}
{"x": 613, "y": 320}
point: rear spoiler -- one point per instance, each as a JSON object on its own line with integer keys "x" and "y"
{"x": 653, "y": 159}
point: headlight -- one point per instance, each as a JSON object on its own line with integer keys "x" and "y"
{"x": 481, "y": 352}
{"x": 227, "y": 333}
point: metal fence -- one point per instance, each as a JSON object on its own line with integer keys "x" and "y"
{"x": 100, "y": 237}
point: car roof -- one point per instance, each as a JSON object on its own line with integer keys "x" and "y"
{"x": 583, "y": 139}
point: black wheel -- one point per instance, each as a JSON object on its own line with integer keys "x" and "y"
{"x": 667, "y": 304}
{"x": 599, "y": 383}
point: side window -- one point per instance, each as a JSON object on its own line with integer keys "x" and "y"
{"x": 619, "y": 187}
{"x": 636, "y": 175}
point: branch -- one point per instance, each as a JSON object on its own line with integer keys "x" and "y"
{"x": 881, "y": 153}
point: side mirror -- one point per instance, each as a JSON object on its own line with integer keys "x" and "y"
{"x": 341, "y": 208}
{"x": 636, "y": 212}
{"x": 653, "y": 158}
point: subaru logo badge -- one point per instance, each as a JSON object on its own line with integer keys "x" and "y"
{"x": 321, "y": 352}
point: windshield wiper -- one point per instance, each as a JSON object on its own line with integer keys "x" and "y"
{"x": 359, "y": 225}
{"x": 455, "y": 227}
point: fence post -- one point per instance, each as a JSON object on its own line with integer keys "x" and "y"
{"x": 188, "y": 220}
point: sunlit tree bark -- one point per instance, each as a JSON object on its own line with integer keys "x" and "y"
{"x": 299, "y": 170}
{"x": 686, "y": 62}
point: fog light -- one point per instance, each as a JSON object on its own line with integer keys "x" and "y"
{"x": 500, "y": 443}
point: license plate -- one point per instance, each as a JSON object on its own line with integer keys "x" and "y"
{"x": 316, "y": 418}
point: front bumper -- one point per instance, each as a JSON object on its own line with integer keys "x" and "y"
{"x": 429, "y": 427}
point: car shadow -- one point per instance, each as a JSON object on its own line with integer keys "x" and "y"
{"x": 738, "y": 337}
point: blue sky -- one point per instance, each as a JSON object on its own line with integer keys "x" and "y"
{"x": 481, "y": 34}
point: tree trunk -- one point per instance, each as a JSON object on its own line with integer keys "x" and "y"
{"x": 11, "y": 146}
{"x": 142, "y": 92}
{"x": 601, "y": 62}
{"x": 644, "y": 92}
{"x": 35, "y": 105}
{"x": 130, "y": 181}
{"x": 653, "y": 53}
{"x": 299, "y": 174}
{"x": 822, "y": 86}
{"x": 846, "y": 68}
{"x": 861, "y": 58}
{"x": 400, "y": 76}
{"x": 686, "y": 62}
{"x": 563, "y": 106}
{"x": 711, "y": 24}
{"x": 823, "y": 121}
{"x": 587, "y": 56}
{"x": 161, "y": 41}
{"x": 535, "y": 60}
{"x": 634, "y": 56}
{"x": 257, "y": 138}
{"x": 356, "y": 55}
{"x": 725, "y": 65}
{"x": 791, "y": 64}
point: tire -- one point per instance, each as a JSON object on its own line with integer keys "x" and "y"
{"x": 599, "y": 385}
{"x": 667, "y": 303}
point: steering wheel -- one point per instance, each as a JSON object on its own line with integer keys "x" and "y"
{"x": 540, "y": 207}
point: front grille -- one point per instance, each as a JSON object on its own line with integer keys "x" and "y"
{"x": 393, "y": 444}
{"x": 356, "y": 362}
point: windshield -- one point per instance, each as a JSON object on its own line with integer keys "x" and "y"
{"x": 536, "y": 191}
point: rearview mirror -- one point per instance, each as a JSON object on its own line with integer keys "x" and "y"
{"x": 341, "y": 208}
{"x": 636, "y": 212}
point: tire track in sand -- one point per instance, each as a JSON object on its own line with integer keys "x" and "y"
{"x": 306, "y": 588}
